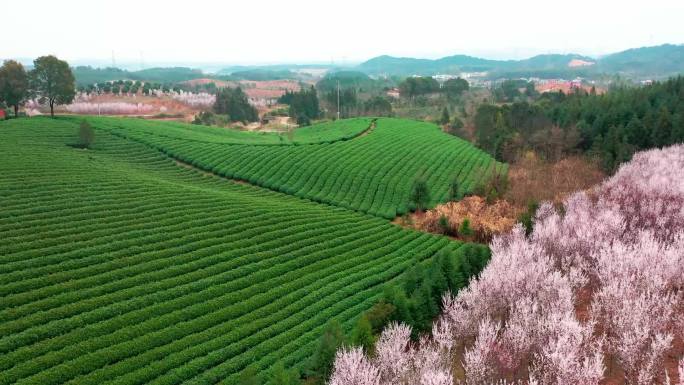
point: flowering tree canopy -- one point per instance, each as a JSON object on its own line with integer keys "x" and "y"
{"x": 596, "y": 286}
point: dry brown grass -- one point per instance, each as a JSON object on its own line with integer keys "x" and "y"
{"x": 485, "y": 219}
{"x": 531, "y": 179}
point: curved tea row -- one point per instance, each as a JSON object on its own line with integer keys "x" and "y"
{"x": 119, "y": 267}
{"x": 372, "y": 173}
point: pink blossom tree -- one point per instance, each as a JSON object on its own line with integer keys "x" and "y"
{"x": 615, "y": 253}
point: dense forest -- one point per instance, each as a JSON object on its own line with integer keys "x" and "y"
{"x": 612, "y": 126}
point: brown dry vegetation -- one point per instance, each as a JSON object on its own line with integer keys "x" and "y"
{"x": 529, "y": 180}
{"x": 485, "y": 219}
{"x": 532, "y": 179}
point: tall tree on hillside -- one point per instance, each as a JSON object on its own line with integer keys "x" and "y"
{"x": 419, "y": 85}
{"x": 377, "y": 106}
{"x": 13, "y": 84}
{"x": 455, "y": 87}
{"x": 420, "y": 194}
{"x": 348, "y": 101}
{"x": 303, "y": 104}
{"x": 444, "y": 120}
{"x": 321, "y": 363}
{"x": 52, "y": 80}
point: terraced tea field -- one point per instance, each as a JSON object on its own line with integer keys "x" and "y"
{"x": 119, "y": 267}
{"x": 371, "y": 173}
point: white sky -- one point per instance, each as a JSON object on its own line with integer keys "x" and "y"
{"x": 253, "y": 31}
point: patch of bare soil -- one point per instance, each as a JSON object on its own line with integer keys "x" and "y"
{"x": 368, "y": 130}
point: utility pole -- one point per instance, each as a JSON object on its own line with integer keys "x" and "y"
{"x": 338, "y": 99}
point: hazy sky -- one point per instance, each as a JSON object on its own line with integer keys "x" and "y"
{"x": 323, "y": 31}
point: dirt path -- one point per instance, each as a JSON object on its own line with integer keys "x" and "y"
{"x": 367, "y": 130}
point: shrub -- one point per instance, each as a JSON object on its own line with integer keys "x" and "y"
{"x": 303, "y": 120}
{"x": 362, "y": 335}
{"x": 420, "y": 194}
{"x": 493, "y": 186}
{"x": 86, "y": 135}
{"x": 527, "y": 217}
{"x": 465, "y": 230}
{"x": 454, "y": 193}
{"x": 321, "y": 363}
{"x": 444, "y": 224}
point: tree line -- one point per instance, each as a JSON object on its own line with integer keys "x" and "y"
{"x": 51, "y": 81}
{"x": 423, "y": 85}
{"x": 304, "y": 106}
{"x": 612, "y": 126}
{"x": 234, "y": 103}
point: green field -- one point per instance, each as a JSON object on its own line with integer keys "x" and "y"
{"x": 327, "y": 132}
{"x": 119, "y": 267}
{"x": 371, "y": 173}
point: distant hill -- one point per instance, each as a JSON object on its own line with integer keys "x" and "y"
{"x": 88, "y": 75}
{"x": 662, "y": 59}
{"x": 262, "y": 74}
{"x": 659, "y": 61}
{"x": 273, "y": 68}
{"x": 410, "y": 66}
{"x": 646, "y": 62}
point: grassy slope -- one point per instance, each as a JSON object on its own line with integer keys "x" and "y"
{"x": 371, "y": 173}
{"x": 118, "y": 267}
{"x": 319, "y": 133}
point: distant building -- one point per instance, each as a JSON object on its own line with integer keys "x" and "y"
{"x": 394, "y": 93}
{"x": 444, "y": 77}
{"x": 565, "y": 86}
{"x": 2, "y": 114}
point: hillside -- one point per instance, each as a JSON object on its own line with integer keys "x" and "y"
{"x": 325, "y": 132}
{"x": 593, "y": 296}
{"x": 88, "y": 75}
{"x": 411, "y": 66}
{"x": 658, "y": 61}
{"x": 371, "y": 173}
{"x": 120, "y": 267}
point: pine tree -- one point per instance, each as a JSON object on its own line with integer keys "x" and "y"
{"x": 400, "y": 301}
{"x": 321, "y": 363}
{"x": 444, "y": 224}
{"x": 663, "y": 128}
{"x": 439, "y": 284}
{"x": 279, "y": 375}
{"x": 379, "y": 315}
{"x": 454, "y": 193}
{"x": 445, "y": 260}
{"x": 362, "y": 335}
{"x": 420, "y": 194}
{"x": 413, "y": 278}
{"x": 464, "y": 230}
{"x": 444, "y": 120}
